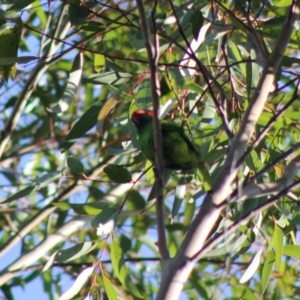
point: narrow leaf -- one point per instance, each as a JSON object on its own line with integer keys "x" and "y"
{"x": 111, "y": 78}
{"x": 99, "y": 62}
{"x": 179, "y": 197}
{"x": 75, "y": 166}
{"x": 252, "y": 267}
{"x": 121, "y": 271}
{"x": 105, "y": 221}
{"x": 117, "y": 174}
{"x": 267, "y": 269}
{"x": 292, "y": 250}
{"x": 50, "y": 262}
{"x": 196, "y": 22}
{"x": 21, "y": 194}
{"x": 89, "y": 209}
{"x": 106, "y": 108}
{"x": 45, "y": 179}
{"x": 75, "y": 252}
{"x": 109, "y": 288}
{"x": 78, "y": 284}
{"x": 72, "y": 86}
{"x": 9, "y": 41}
{"x": 278, "y": 245}
{"x": 87, "y": 121}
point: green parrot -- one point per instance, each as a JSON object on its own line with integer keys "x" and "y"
{"x": 179, "y": 153}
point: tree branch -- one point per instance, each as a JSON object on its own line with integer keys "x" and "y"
{"x": 153, "y": 60}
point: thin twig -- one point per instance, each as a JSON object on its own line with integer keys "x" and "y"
{"x": 153, "y": 60}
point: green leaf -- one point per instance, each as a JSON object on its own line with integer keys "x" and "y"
{"x": 71, "y": 253}
{"x": 20, "y": 60}
{"x": 79, "y": 13}
{"x": 278, "y": 246}
{"x": 83, "y": 125}
{"x": 93, "y": 26}
{"x": 72, "y": 86}
{"x": 189, "y": 211}
{"x": 105, "y": 110}
{"x": 78, "y": 284}
{"x": 193, "y": 86}
{"x": 150, "y": 173}
{"x": 45, "y": 179}
{"x": 196, "y": 22}
{"x": 99, "y": 62}
{"x": 292, "y": 250}
{"x": 179, "y": 197}
{"x": 20, "y": 4}
{"x": 203, "y": 175}
{"x": 250, "y": 271}
{"x": 267, "y": 269}
{"x": 109, "y": 288}
{"x": 21, "y": 194}
{"x": 111, "y": 78}
{"x": 76, "y": 167}
{"x": 9, "y": 41}
{"x": 117, "y": 173}
{"x": 10, "y": 15}
{"x": 120, "y": 269}
{"x": 105, "y": 221}
{"x": 89, "y": 209}
{"x": 76, "y": 251}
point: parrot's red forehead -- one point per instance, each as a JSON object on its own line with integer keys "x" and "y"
{"x": 142, "y": 112}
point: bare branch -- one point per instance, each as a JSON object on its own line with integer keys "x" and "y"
{"x": 153, "y": 60}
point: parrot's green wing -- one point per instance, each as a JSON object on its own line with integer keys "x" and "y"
{"x": 180, "y": 153}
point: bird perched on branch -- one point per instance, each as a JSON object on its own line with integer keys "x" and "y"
{"x": 179, "y": 153}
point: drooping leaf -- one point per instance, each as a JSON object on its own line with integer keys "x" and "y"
{"x": 250, "y": 271}
{"x": 83, "y": 125}
{"x": 179, "y": 197}
{"x": 109, "y": 288}
{"x": 79, "y": 13}
{"x": 121, "y": 271}
{"x": 278, "y": 245}
{"x": 76, "y": 167}
{"x": 75, "y": 252}
{"x": 267, "y": 269}
{"x": 105, "y": 221}
{"x": 72, "y": 86}
{"x": 78, "y": 284}
{"x": 111, "y": 78}
{"x": 45, "y": 179}
{"x": 117, "y": 174}
{"x": 89, "y": 209}
{"x": 9, "y": 44}
{"x": 21, "y": 194}
{"x": 106, "y": 108}
{"x": 196, "y": 22}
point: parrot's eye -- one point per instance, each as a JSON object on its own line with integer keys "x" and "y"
{"x": 134, "y": 119}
